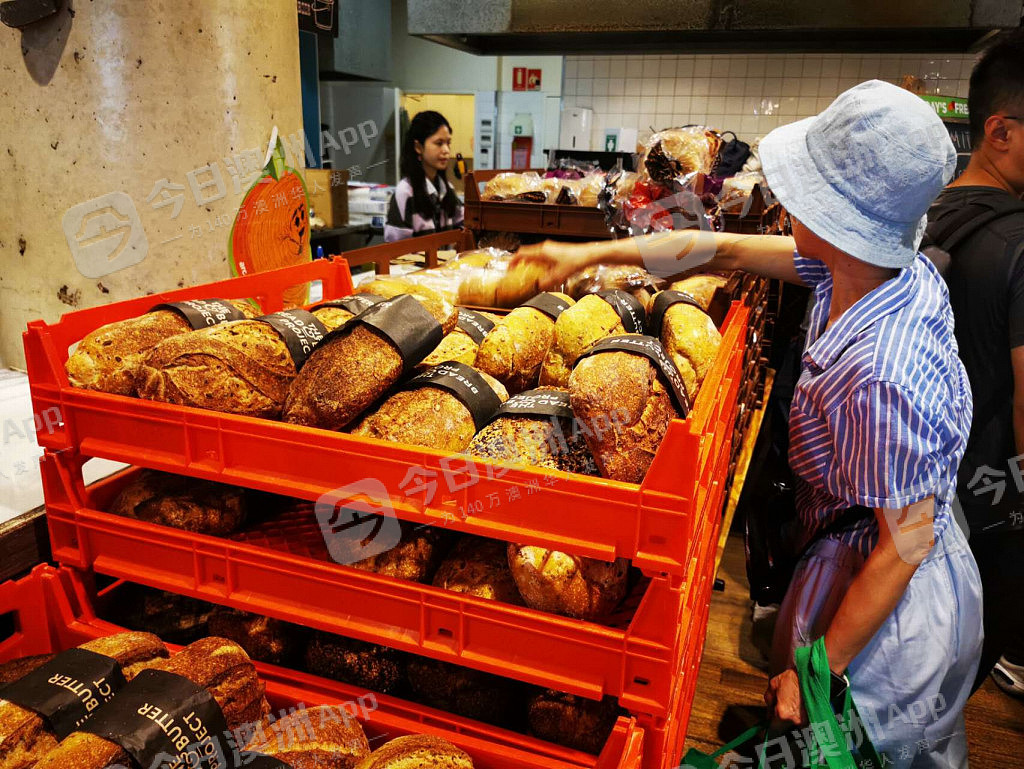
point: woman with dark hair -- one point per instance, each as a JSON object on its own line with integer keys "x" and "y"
{"x": 424, "y": 201}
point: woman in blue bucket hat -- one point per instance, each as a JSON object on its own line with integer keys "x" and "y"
{"x": 879, "y": 418}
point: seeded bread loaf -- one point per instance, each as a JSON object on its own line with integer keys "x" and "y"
{"x": 25, "y": 738}
{"x": 416, "y": 556}
{"x": 242, "y": 367}
{"x": 323, "y": 737}
{"x": 465, "y": 691}
{"x": 417, "y": 751}
{"x": 361, "y": 664}
{"x": 107, "y": 357}
{"x": 216, "y": 664}
{"x": 557, "y": 582}
{"x": 185, "y": 503}
{"x": 264, "y": 639}
{"x": 515, "y": 348}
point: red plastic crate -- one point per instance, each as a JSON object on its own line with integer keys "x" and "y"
{"x": 280, "y": 568}
{"x": 649, "y": 523}
{"x": 53, "y": 610}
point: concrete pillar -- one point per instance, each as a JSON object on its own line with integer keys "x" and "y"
{"x": 131, "y": 130}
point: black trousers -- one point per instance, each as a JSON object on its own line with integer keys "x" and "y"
{"x": 1000, "y": 558}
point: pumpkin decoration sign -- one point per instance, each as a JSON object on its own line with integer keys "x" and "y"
{"x": 271, "y": 228}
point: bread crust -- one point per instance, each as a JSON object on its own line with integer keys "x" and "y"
{"x": 576, "y": 330}
{"x": 479, "y": 567}
{"x": 184, "y": 503}
{"x": 417, "y": 751}
{"x": 560, "y": 583}
{"x": 337, "y": 740}
{"x": 623, "y": 390}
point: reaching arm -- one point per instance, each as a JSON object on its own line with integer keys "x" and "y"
{"x": 668, "y": 254}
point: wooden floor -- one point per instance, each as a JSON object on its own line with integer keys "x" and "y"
{"x": 733, "y": 678}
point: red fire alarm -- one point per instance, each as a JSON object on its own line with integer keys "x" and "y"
{"x": 519, "y": 78}
{"x": 533, "y": 80}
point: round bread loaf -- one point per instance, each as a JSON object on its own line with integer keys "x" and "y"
{"x": 415, "y": 558}
{"x": 323, "y": 737}
{"x": 624, "y": 390}
{"x": 191, "y": 504}
{"x": 417, "y": 751}
{"x": 361, "y": 664}
{"x": 106, "y": 358}
{"x": 426, "y": 416}
{"x": 572, "y": 721}
{"x": 514, "y": 349}
{"x": 576, "y": 330}
{"x": 556, "y": 582}
{"x": 264, "y": 638}
{"x": 479, "y": 566}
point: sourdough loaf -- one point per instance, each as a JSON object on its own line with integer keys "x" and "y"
{"x": 243, "y": 367}
{"x": 701, "y": 286}
{"x": 416, "y": 556}
{"x": 515, "y": 348}
{"x": 185, "y": 503}
{"x": 361, "y": 664}
{"x": 465, "y": 691}
{"x": 557, "y": 582}
{"x": 324, "y": 737}
{"x": 690, "y": 338}
{"x": 463, "y": 342}
{"x": 417, "y": 751}
{"x": 590, "y": 319}
{"x": 432, "y": 416}
{"x": 264, "y": 639}
{"x": 107, "y": 357}
{"x": 624, "y": 393}
{"x": 365, "y": 359}
{"x": 25, "y": 738}
{"x": 216, "y": 664}
{"x": 572, "y": 721}
{"x": 479, "y": 566}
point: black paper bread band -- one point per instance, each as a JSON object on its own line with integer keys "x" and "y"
{"x": 537, "y": 403}
{"x": 200, "y": 313}
{"x": 477, "y": 326}
{"x": 664, "y": 300}
{"x": 164, "y": 720}
{"x": 406, "y": 323}
{"x": 652, "y": 349}
{"x": 300, "y": 331}
{"x": 549, "y": 304}
{"x": 630, "y": 311}
{"x": 466, "y": 384}
{"x": 355, "y": 303}
{"x": 68, "y": 689}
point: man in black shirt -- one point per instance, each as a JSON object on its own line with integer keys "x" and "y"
{"x": 979, "y": 220}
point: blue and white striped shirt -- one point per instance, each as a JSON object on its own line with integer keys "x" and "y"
{"x": 882, "y": 410}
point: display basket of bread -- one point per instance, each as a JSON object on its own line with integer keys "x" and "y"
{"x": 642, "y": 505}
{"x": 241, "y": 712}
{"x": 534, "y": 202}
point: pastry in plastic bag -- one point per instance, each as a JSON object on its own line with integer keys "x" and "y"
{"x": 513, "y": 186}
{"x": 678, "y": 152}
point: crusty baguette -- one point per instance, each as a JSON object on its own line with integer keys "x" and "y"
{"x": 220, "y": 666}
{"x": 417, "y": 751}
{"x": 323, "y": 737}
{"x": 106, "y": 358}
{"x": 24, "y": 736}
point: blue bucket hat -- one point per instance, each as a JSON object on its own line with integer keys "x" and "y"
{"x": 862, "y": 174}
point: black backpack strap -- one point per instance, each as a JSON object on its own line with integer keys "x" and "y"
{"x": 949, "y": 233}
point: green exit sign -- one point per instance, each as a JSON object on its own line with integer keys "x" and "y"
{"x": 948, "y": 106}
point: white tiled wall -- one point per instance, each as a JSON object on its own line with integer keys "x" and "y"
{"x": 748, "y": 94}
